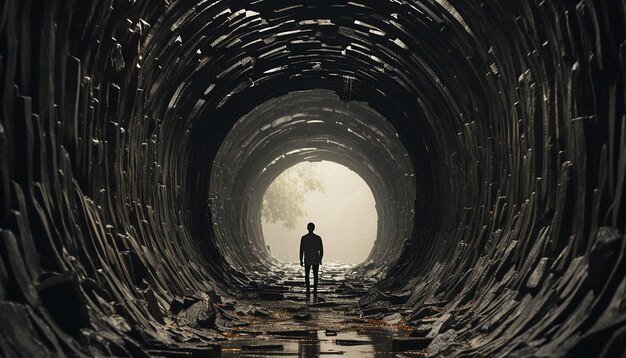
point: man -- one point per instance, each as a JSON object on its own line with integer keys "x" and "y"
{"x": 311, "y": 253}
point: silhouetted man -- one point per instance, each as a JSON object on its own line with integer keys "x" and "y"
{"x": 311, "y": 252}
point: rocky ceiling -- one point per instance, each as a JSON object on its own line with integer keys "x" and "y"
{"x": 492, "y": 134}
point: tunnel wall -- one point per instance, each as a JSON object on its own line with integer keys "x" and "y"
{"x": 537, "y": 248}
{"x": 512, "y": 114}
{"x": 94, "y": 257}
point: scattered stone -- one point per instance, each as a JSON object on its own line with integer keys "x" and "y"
{"x": 372, "y": 296}
{"x": 200, "y": 314}
{"x": 393, "y": 318}
{"x": 180, "y": 303}
{"x": 249, "y": 310}
{"x": 260, "y": 312}
{"x": 243, "y": 310}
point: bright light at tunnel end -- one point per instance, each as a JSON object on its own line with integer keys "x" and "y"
{"x": 344, "y": 214}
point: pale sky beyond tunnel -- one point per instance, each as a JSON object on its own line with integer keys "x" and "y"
{"x": 344, "y": 216}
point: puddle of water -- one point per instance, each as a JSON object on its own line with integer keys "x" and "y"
{"x": 335, "y": 308}
{"x": 369, "y": 342}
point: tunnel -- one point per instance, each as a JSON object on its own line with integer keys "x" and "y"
{"x": 137, "y": 139}
{"x": 311, "y": 125}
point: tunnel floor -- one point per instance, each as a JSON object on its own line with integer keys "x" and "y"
{"x": 277, "y": 318}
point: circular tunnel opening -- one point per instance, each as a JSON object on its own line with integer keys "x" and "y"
{"x": 336, "y": 199}
{"x": 317, "y": 127}
{"x": 137, "y": 139}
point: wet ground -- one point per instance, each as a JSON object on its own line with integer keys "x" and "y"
{"x": 284, "y": 321}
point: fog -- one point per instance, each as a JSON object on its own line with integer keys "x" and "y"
{"x": 344, "y": 215}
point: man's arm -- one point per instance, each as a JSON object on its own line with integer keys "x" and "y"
{"x": 301, "y": 252}
{"x": 321, "y": 250}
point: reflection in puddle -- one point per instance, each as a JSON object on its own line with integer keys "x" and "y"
{"x": 369, "y": 342}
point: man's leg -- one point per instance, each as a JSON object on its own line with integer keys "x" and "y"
{"x": 315, "y": 269}
{"x": 307, "y": 271}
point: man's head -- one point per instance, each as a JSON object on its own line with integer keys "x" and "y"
{"x": 310, "y": 227}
